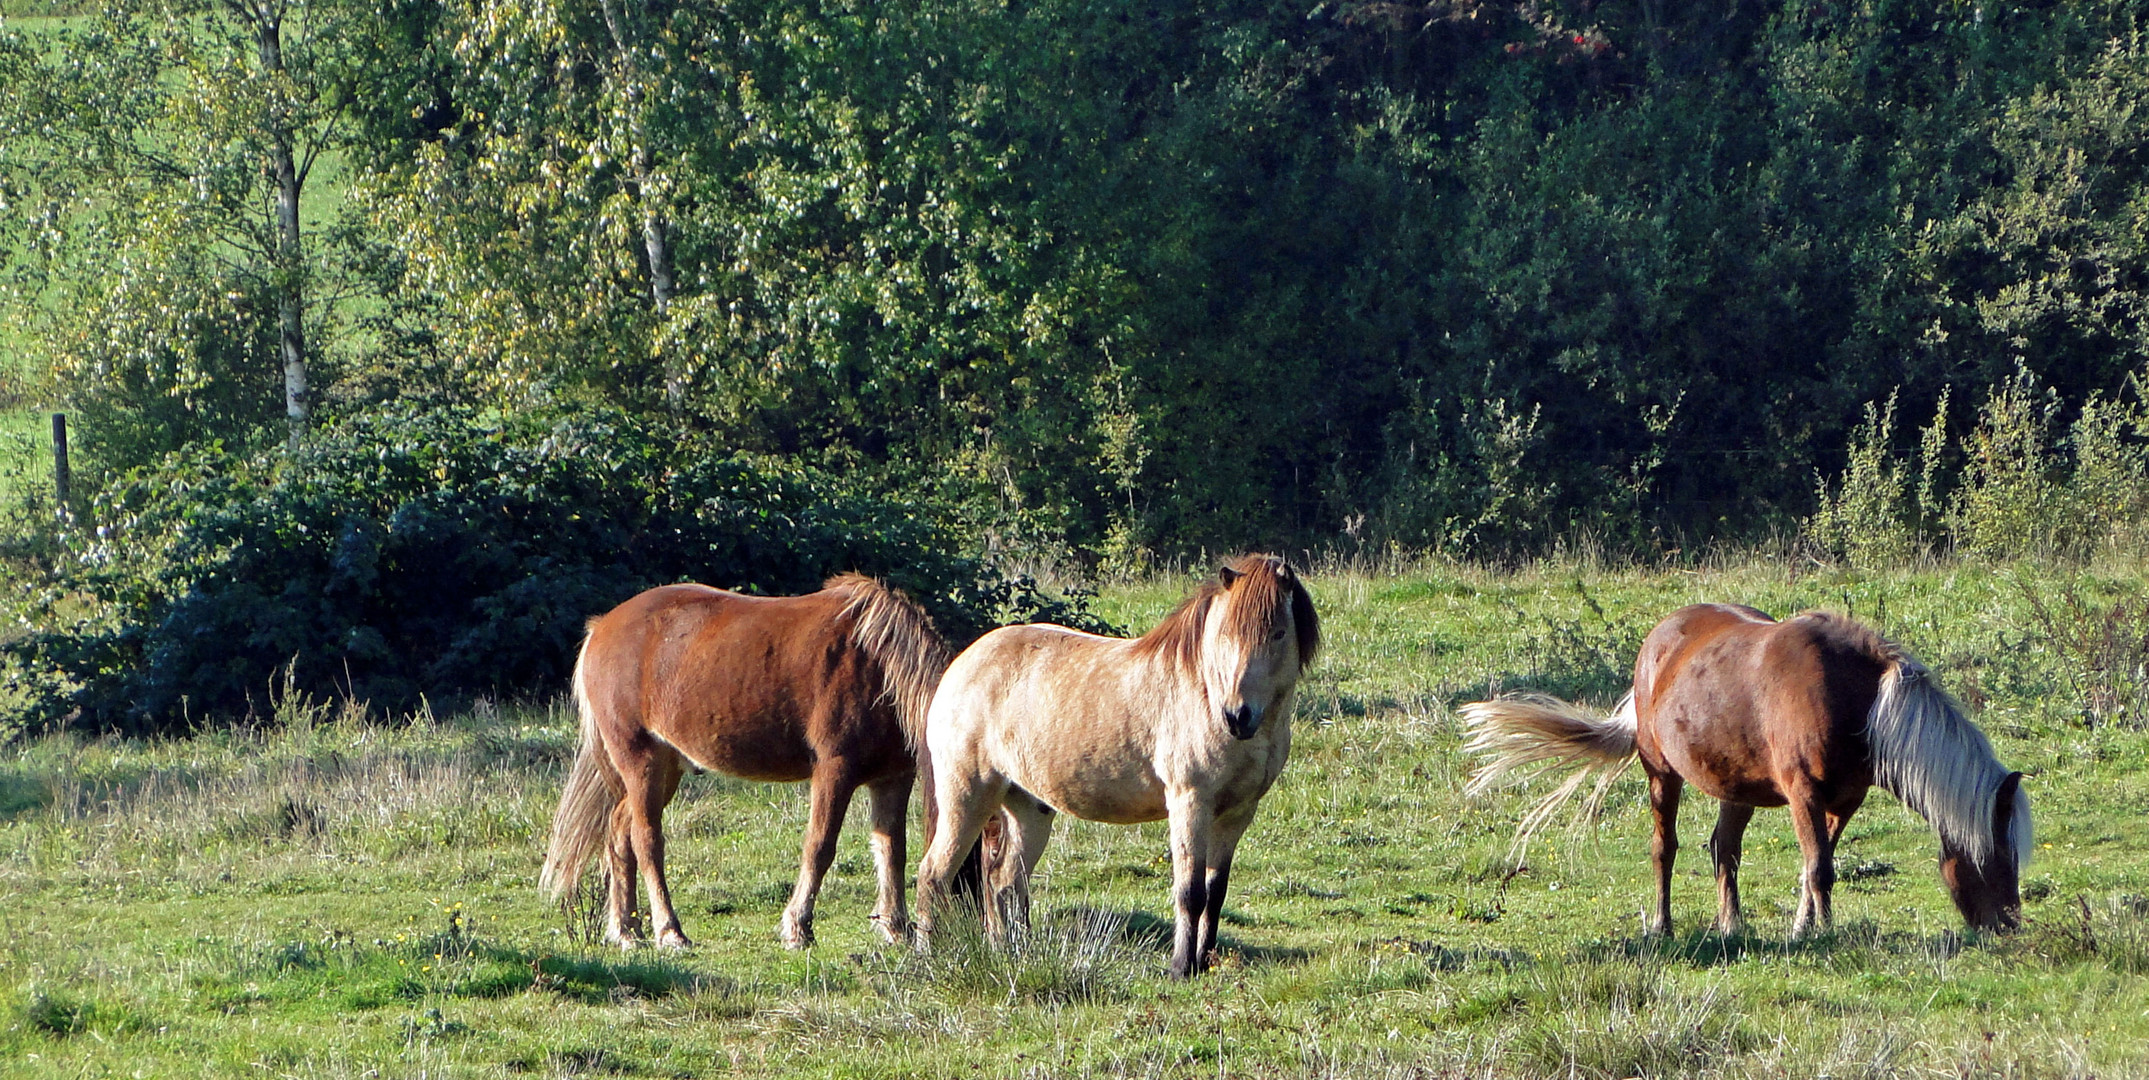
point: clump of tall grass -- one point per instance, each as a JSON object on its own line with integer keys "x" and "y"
{"x": 1874, "y": 515}
{"x": 60, "y": 1014}
{"x": 1071, "y": 956}
{"x": 1620, "y": 1018}
{"x": 2114, "y": 933}
{"x": 2105, "y": 649}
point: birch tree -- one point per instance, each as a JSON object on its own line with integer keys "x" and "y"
{"x": 167, "y": 155}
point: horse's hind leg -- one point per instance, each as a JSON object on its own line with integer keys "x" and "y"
{"x": 650, "y": 787}
{"x": 1028, "y": 826}
{"x": 833, "y": 786}
{"x": 1664, "y": 791}
{"x": 1816, "y": 886}
{"x": 891, "y": 811}
{"x": 622, "y": 924}
{"x": 1724, "y": 847}
{"x": 965, "y": 804}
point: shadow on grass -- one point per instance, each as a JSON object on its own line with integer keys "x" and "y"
{"x": 594, "y": 981}
{"x": 1153, "y": 931}
{"x": 1442, "y": 958}
{"x": 454, "y": 964}
{"x": 1858, "y": 945}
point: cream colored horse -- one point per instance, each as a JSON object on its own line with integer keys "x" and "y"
{"x": 1190, "y": 723}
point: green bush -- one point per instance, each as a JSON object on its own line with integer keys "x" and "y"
{"x": 1869, "y": 518}
{"x": 433, "y": 554}
{"x": 2020, "y": 492}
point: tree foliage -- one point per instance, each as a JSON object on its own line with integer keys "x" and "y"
{"x": 1099, "y": 280}
{"x": 1091, "y": 282}
{"x": 174, "y": 248}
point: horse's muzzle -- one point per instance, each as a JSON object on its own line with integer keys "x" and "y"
{"x": 1243, "y": 721}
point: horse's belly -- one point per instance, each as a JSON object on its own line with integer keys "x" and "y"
{"x": 1720, "y": 759}
{"x": 760, "y": 748}
{"x": 1114, "y": 797}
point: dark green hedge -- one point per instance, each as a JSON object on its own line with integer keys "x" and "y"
{"x": 438, "y": 555}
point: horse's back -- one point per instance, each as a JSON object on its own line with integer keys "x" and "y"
{"x": 1744, "y": 706}
{"x": 737, "y": 683}
{"x": 1058, "y": 712}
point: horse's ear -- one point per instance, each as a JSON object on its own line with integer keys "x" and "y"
{"x": 1227, "y": 575}
{"x": 1306, "y": 621}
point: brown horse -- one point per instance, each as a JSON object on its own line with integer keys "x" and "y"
{"x": 830, "y": 688}
{"x": 1189, "y": 723}
{"x": 1810, "y": 713}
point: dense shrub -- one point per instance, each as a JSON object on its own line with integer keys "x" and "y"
{"x": 2020, "y": 486}
{"x": 434, "y": 554}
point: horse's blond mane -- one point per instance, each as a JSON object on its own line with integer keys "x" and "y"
{"x": 1265, "y": 585}
{"x": 891, "y": 628}
{"x": 1927, "y": 753}
{"x": 1934, "y": 759}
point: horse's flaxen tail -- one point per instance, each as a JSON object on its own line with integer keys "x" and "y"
{"x": 583, "y": 822}
{"x": 1513, "y": 733}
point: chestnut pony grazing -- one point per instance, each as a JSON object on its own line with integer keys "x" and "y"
{"x": 1809, "y": 712}
{"x": 1189, "y": 723}
{"x": 830, "y": 688}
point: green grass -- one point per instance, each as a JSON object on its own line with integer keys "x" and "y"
{"x": 25, "y": 448}
{"x": 335, "y": 897}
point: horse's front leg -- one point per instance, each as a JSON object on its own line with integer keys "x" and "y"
{"x": 1222, "y": 847}
{"x": 833, "y": 786}
{"x": 1840, "y": 818}
{"x": 1725, "y": 845}
{"x": 891, "y": 809}
{"x": 1192, "y": 826}
{"x": 1816, "y": 886}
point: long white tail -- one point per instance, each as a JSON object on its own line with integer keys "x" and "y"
{"x": 1513, "y": 733}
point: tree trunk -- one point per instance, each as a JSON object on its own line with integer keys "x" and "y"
{"x": 641, "y": 166}
{"x": 290, "y": 265}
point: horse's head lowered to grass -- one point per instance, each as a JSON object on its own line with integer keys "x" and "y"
{"x": 1988, "y": 890}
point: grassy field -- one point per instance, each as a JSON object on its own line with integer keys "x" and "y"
{"x": 336, "y": 897}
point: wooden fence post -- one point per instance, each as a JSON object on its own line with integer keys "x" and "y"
{"x": 62, "y": 478}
